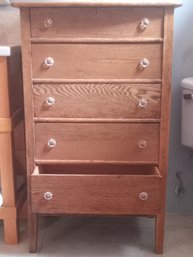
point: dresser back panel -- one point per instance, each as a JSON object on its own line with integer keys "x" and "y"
{"x": 95, "y": 22}
{"x": 97, "y": 61}
{"x": 98, "y": 100}
{"x": 97, "y": 141}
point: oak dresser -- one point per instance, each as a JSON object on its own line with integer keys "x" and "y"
{"x": 97, "y": 98}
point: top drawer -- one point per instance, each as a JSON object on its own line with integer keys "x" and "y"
{"x": 82, "y": 23}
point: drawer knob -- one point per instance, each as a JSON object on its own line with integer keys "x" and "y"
{"x": 142, "y": 103}
{"x": 144, "y": 23}
{"x": 144, "y": 63}
{"x": 143, "y": 196}
{"x": 50, "y": 101}
{"x": 48, "y": 196}
{"x": 48, "y": 22}
{"x": 142, "y": 144}
{"x": 51, "y": 143}
{"x": 49, "y": 61}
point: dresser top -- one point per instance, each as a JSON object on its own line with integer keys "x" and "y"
{"x": 68, "y": 3}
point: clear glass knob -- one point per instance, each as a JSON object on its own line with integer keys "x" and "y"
{"x": 144, "y": 23}
{"x": 144, "y": 63}
{"x": 142, "y": 144}
{"x": 48, "y": 196}
{"x": 143, "y": 196}
{"x": 142, "y": 103}
{"x": 48, "y": 22}
{"x": 48, "y": 62}
{"x": 50, "y": 101}
{"x": 51, "y": 143}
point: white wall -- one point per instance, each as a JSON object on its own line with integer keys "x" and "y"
{"x": 182, "y": 67}
{"x": 9, "y": 25}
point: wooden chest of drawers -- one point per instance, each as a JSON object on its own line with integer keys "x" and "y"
{"x": 97, "y": 96}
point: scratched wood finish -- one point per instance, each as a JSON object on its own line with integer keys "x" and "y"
{"x": 97, "y": 100}
{"x": 88, "y": 141}
{"x": 97, "y": 61}
{"x": 96, "y": 194}
{"x": 96, "y": 22}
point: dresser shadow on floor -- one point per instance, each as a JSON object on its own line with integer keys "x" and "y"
{"x": 96, "y": 236}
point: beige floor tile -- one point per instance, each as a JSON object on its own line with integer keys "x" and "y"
{"x": 104, "y": 237}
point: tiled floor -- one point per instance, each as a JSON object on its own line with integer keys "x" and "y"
{"x": 104, "y": 237}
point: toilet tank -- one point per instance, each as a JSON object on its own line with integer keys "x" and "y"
{"x": 187, "y": 112}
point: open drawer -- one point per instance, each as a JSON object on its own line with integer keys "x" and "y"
{"x": 96, "y": 189}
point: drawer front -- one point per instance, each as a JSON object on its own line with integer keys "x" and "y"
{"x": 96, "y": 22}
{"x": 97, "y": 141}
{"x": 97, "y": 100}
{"x": 97, "y": 61}
{"x": 95, "y": 194}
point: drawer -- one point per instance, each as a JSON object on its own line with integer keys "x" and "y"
{"x": 118, "y": 101}
{"x": 103, "y": 142}
{"x": 97, "y": 61}
{"x": 120, "y": 193}
{"x": 96, "y": 22}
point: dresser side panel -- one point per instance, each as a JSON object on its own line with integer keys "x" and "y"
{"x": 29, "y": 125}
{"x": 27, "y": 88}
{"x": 165, "y": 122}
{"x": 166, "y": 89}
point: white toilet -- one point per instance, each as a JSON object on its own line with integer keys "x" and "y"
{"x": 187, "y": 112}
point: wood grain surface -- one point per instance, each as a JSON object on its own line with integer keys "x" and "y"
{"x": 97, "y": 100}
{"x": 165, "y": 121}
{"x": 96, "y": 194}
{"x": 102, "y": 142}
{"x": 97, "y": 61}
{"x": 96, "y": 23}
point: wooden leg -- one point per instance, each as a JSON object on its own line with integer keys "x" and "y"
{"x": 8, "y": 189}
{"x": 11, "y": 229}
{"x": 159, "y": 237}
{"x": 33, "y": 232}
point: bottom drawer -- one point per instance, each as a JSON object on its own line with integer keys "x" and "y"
{"x": 111, "y": 190}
